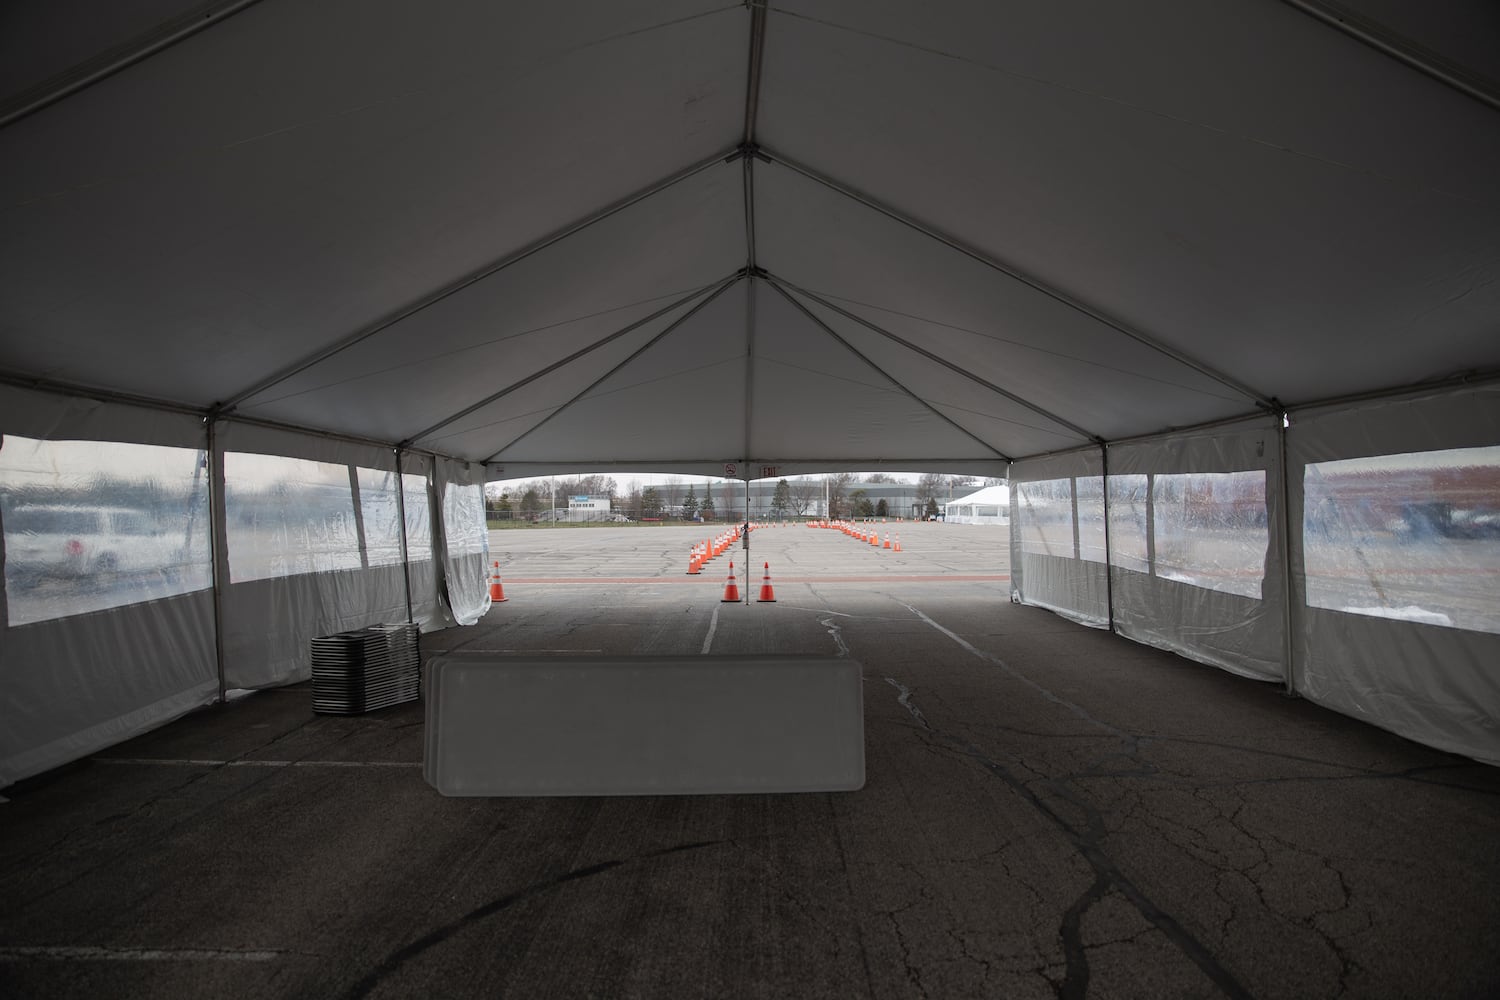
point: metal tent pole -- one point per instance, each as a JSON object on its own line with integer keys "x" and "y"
{"x": 219, "y": 544}
{"x": 401, "y": 513}
{"x": 359, "y": 518}
{"x": 746, "y": 467}
{"x": 118, "y": 58}
{"x": 1288, "y": 606}
{"x": 1109, "y": 569}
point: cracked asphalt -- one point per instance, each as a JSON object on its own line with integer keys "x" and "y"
{"x": 1049, "y": 811}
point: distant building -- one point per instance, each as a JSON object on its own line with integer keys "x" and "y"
{"x": 588, "y": 508}
{"x": 900, "y": 498}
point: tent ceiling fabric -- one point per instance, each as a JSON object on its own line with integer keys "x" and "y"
{"x": 526, "y": 234}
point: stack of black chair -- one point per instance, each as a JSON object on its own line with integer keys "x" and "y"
{"x": 365, "y": 669}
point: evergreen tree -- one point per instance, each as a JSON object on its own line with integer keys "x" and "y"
{"x": 781, "y": 500}
{"x": 932, "y": 509}
{"x": 690, "y": 505}
{"x": 882, "y": 509}
{"x": 650, "y": 503}
{"x": 707, "y": 510}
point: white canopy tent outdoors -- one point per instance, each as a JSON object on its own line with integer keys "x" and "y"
{"x": 1163, "y": 265}
{"x": 990, "y": 505}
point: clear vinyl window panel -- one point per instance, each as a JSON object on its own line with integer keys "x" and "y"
{"x": 287, "y": 516}
{"x": 92, "y": 525}
{"x": 1091, "y": 537}
{"x": 380, "y": 515}
{"x": 1129, "y": 513}
{"x": 1045, "y": 509}
{"x": 418, "y": 518}
{"x": 463, "y": 520}
{"x": 1413, "y": 536}
{"x": 1211, "y": 530}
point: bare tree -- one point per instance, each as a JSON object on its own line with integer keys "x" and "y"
{"x": 838, "y": 483}
{"x": 597, "y": 485}
{"x": 803, "y": 493}
{"x": 671, "y": 491}
{"x": 881, "y": 477}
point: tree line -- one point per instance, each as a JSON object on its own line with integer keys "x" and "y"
{"x": 673, "y": 497}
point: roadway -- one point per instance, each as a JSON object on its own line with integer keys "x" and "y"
{"x": 1049, "y": 811}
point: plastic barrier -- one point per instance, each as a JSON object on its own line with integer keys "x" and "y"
{"x": 504, "y": 726}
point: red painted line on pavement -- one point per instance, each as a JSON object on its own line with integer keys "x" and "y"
{"x": 718, "y": 581}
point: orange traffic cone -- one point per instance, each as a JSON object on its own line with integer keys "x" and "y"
{"x": 693, "y": 563}
{"x": 766, "y": 593}
{"x": 898, "y": 544}
{"x": 497, "y": 589}
{"x": 887, "y": 539}
{"x": 874, "y": 538}
{"x": 731, "y": 589}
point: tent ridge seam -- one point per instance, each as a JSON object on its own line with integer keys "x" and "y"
{"x": 1390, "y": 43}
{"x": 674, "y": 325}
{"x": 81, "y": 76}
{"x": 213, "y": 413}
{"x": 474, "y": 277}
{"x": 923, "y": 352}
{"x": 1057, "y": 295}
{"x": 576, "y": 355}
{"x": 901, "y": 386}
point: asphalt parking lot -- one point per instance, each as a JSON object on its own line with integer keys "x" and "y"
{"x": 798, "y": 556}
{"x": 1049, "y": 811}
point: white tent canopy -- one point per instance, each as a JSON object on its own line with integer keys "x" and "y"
{"x": 686, "y": 235}
{"x": 979, "y": 233}
{"x": 990, "y": 505}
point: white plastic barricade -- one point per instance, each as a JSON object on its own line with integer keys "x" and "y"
{"x": 643, "y": 725}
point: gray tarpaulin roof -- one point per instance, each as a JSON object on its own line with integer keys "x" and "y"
{"x": 834, "y": 231}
